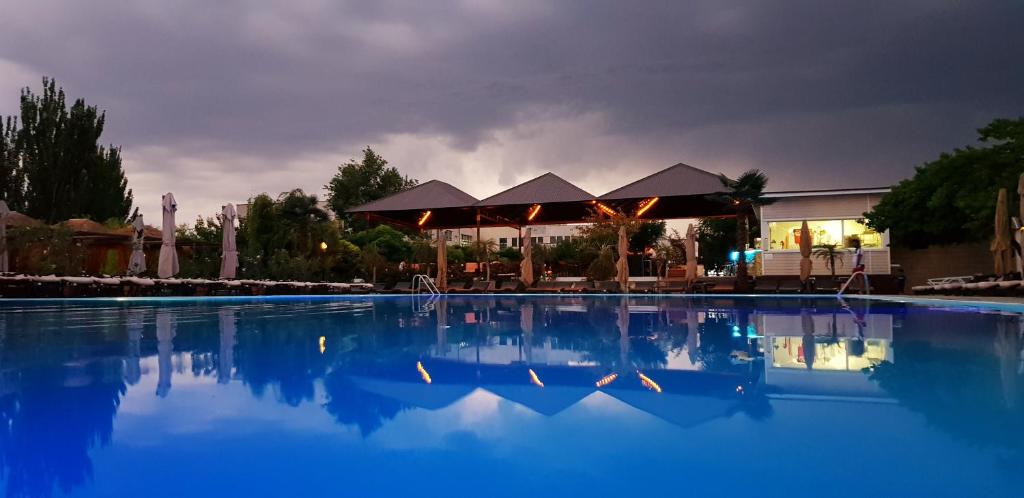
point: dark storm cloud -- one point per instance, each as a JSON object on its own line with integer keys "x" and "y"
{"x": 269, "y": 95}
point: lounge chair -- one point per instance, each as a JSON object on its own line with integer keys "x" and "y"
{"x": 644, "y": 286}
{"x": 606, "y": 286}
{"x": 582, "y": 286}
{"x": 766, "y": 286}
{"x": 791, "y": 286}
{"x": 380, "y": 287}
{"x": 509, "y": 286}
{"x": 480, "y": 287}
{"x": 402, "y": 288}
{"x": 671, "y": 286}
{"x": 547, "y": 287}
{"x": 457, "y": 286}
{"x": 827, "y": 285}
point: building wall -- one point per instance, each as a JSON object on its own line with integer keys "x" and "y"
{"x": 943, "y": 261}
{"x": 826, "y": 206}
{"x": 543, "y": 234}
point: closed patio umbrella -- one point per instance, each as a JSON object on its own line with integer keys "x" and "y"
{"x": 442, "y": 261}
{"x": 137, "y": 261}
{"x": 690, "y": 244}
{"x": 1018, "y": 235}
{"x": 229, "y": 254}
{"x": 3, "y": 235}
{"x": 1001, "y": 242}
{"x": 168, "y": 265}
{"x": 805, "y": 253}
{"x": 622, "y": 265}
{"x": 526, "y": 265}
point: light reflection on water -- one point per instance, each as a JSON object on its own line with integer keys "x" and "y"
{"x": 603, "y": 395}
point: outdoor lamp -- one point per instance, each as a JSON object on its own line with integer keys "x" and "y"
{"x": 323, "y": 246}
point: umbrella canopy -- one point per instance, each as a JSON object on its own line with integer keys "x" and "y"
{"x": 805, "y": 252}
{"x": 690, "y": 244}
{"x": 137, "y": 261}
{"x": 168, "y": 265}
{"x": 4, "y": 212}
{"x": 229, "y": 251}
{"x": 622, "y": 265}
{"x": 1018, "y": 235}
{"x": 442, "y": 261}
{"x": 526, "y": 265}
{"x": 1001, "y": 242}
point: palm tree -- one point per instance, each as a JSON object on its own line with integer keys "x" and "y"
{"x": 829, "y": 253}
{"x": 745, "y": 193}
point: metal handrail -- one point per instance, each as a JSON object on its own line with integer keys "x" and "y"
{"x": 421, "y": 280}
{"x": 867, "y": 284}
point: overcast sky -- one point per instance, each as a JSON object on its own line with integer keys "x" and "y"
{"x": 219, "y": 100}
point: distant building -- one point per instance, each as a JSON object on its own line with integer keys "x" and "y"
{"x": 833, "y": 216}
{"x": 507, "y": 237}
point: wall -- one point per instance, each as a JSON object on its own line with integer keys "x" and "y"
{"x": 876, "y": 262}
{"x": 943, "y": 261}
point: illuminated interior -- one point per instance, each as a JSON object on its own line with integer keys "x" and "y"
{"x": 843, "y": 354}
{"x": 785, "y": 235}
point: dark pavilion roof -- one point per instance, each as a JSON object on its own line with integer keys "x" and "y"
{"x": 546, "y": 188}
{"x": 434, "y": 194}
{"x": 679, "y": 180}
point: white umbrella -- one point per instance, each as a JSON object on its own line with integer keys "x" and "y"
{"x": 690, "y": 244}
{"x": 526, "y": 265}
{"x": 165, "y": 332}
{"x": 226, "y": 359}
{"x": 3, "y": 235}
{"x": 229, "y": 256}
{"x": 137, "y": 261}
{"x": 168, "y": 255}
{"x": 622, "y": 265}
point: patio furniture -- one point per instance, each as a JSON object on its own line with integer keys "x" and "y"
{"x": 671, "y": 286}
{"x": 547, "y": 287}
{"x": 509, "y": 286}
{"x": 791, "y": 286}
{"x": 644, "y": 286}
{"x": 766, "y": 286}
{"x": 478, "y": 287}
{"x": 606, "y": 286}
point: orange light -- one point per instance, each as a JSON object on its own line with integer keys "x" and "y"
{"x": 607, "y": 210}
{"x": 323, "y": 344}
{"x": 423, "y": 372}
{"x": 533, "y": 379}
{"x": 533, "y": 212}
{"x": 649, "y": 383}
{"x": 644, "y": 206}
{"x": 423, "y": 219}
{"x": 607, "y": 379}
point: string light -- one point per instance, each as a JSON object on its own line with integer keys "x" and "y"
{"x": 423, "y": 219}
{"x": 645, "y": 205}
{"x": 649, "y": 383}
{"x": 534, "y": 379}
{"x": 423, "y": 372}
{"x": 606, "y": 210}
{"x": 607, "y": 379}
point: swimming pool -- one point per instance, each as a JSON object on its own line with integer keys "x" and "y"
{"x": 509, "y": 396}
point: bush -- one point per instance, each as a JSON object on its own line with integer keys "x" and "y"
{"x": 44, "y": 250}
{"x": 602, "y": 268}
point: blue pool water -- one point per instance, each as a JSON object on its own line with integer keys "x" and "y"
{"x": 509, "y": 396}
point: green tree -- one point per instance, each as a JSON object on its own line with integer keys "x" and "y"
{"x": 745, "y": 194}
{"x": 357, "y": 183}
{"x": 716, "y": 237}
{"x": 66, "y": 172}
{"x": 390, "y": 243}
{"x": 12, "y": 176}
{"x": 829, "y": 253}
{"x": 602, "y": 268}
{"x": 952, "y": 199}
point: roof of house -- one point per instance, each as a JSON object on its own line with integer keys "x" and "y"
{"x": 428, "y": 195}
{"x": 16, "y": 219}
{"x": 824, "y": 192}
{"x": 678, "y": 180}
{"x": 548, "y": 187}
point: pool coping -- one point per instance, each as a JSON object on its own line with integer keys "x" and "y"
{"x": 926, "y": 301}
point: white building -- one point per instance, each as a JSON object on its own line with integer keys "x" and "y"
{"x": 833, "y": 216}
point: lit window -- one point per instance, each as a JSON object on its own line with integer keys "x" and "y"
{"x": 503, "y": 242}
{"x": 785, "y": 235}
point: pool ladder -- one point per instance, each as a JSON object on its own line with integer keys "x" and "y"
{"x": 421, "y": 281}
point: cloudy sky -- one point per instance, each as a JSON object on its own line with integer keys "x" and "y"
{"x": 216, "y": 101}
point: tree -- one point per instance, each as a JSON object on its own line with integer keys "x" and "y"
{"x": 390, "y": 243}
{"x": 357, "y": 183}
{"x": 745, "y": 194}
{"x": 952, "y": 199}
{"x": 829, "y": 253}
{"x": 12, "y": 176}
{"x": 66, "y": 173}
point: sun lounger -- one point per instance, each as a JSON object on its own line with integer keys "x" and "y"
{"x": 457, "y": 286}
{"x": 791, "y": 286}
{"x": 509, "y": 286}
{"x": 826, "y": 285}
{"x": 671, "y": 286}
{"x": 605, "y": 286}
{"x": 478, "y": 287}
{"x": 766, "y": 285}
{"x": 547, "y": 287}
{"x": 402, "y": 288}
{"x": 644, "y": 286}
{"x": 583, "y": 286}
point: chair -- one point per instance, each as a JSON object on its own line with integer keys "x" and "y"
{"x": 766, "y": 285}
{"x": 791, "y": 286}
{"x": 457, "y": 286}
{"x": 509, "y": 286}
{"x": 671, "y": 286}
{"x": 644, "y": 286}
{"x": 606, "y": 286}
{"x": 478, "y": 287}
{"x": 828, "y": 285}
{"x": 584, "y": 286}
{"x": 402, "y": 288}
{"x": 546, "y": 287}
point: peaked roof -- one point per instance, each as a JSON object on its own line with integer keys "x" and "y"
{"x": 434, "y": 194}
{"x": 681, "y": 179}
{"x": 548, "y": 187}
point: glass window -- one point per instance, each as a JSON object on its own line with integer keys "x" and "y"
{"x": 785, "y": 235}
{"x": 503, "y": 242}
{"x": 515, "y": 242}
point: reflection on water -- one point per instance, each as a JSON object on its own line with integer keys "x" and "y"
{"x": 66, "y": 369}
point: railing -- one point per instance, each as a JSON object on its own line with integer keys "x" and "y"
{"x": 421, "y": 281}
{"x": 867, "y": 285}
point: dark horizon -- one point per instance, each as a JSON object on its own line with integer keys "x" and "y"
{"x": 219, "y": 102}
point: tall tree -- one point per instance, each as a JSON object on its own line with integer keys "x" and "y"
{"x": 952, "y": 199}
{"x": 67, "y": 172}
{"x": 12, "y": 177}
{"x": 357, "y": 183}
{"x": 745, "y": 193}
